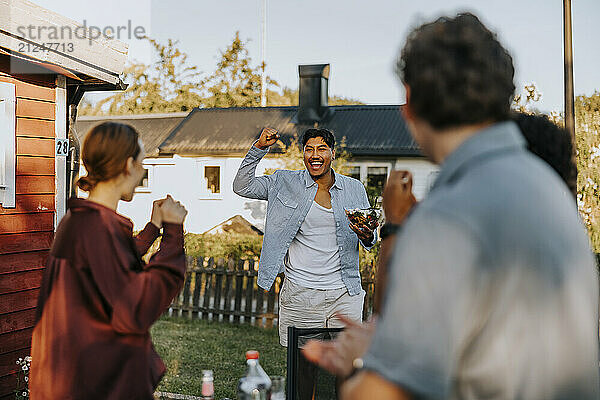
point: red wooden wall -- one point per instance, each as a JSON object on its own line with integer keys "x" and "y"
{"x": 26, "y": 231}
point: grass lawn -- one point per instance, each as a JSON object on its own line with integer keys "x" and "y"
{"x": 189, "y": 346}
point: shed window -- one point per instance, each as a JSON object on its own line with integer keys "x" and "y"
{"x": 212, "y": 175}
{"x": 144, "y": 182}
{"x": 145, "y": 185}
{"x": 377, "y": 176}
{"x": 7, "y": 144}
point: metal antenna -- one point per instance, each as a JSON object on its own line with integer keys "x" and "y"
{"x": 263, "y": 77}
{"x": 569, "y": 92}
{"x": 569, "y": 89}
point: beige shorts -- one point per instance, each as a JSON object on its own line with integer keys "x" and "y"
{"x": 315, "y": 308}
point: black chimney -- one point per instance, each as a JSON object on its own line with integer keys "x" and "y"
{"x": 313, "y": 93}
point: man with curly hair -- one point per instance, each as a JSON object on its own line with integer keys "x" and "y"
{"x": 493, "y": 290}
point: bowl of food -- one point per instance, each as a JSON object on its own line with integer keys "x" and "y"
{"x": 368, "y": 217}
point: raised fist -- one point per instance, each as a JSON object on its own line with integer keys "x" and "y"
{"x": 172, "y": 211}
{"x": 157, "y": 218}
{"x": 268, "y": 137}
{"x": 398, "y": 198}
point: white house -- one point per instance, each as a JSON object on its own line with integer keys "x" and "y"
{"x": 195, "y": 157}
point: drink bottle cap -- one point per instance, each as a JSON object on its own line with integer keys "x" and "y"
{"x": 252, "y": 355}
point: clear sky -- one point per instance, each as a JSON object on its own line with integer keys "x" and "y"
{"x": 360, "y": 39}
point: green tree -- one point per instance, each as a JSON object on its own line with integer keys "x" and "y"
{"x": 168, "y": 85}
{"x": 235, "y": 83}
{"x": 223, "y": 245}
{"x": 587, "y": 131}
{"x": 524, "y": 102}
{"x": 171, "y": 84}
{"x": 289, "y": 97}
{"x": 336, "y": 100}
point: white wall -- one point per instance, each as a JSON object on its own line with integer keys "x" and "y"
{"x": 181, "y": 177}
{"x": 423, "y": 171}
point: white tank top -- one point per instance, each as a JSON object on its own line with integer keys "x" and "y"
{"x": 313, "y": 259}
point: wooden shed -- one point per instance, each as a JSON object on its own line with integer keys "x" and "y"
{"x": 39, "y": 92}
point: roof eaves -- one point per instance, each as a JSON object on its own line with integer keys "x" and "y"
{"x": 100, "y": 57}
{"x": 246, "y": 109}
{"x": 132, "y": 116}
{"x": 175, "y": 130}
{"x": 382, "y": 153}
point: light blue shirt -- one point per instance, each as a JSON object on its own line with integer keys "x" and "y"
{"x": 493, "y": 289}
{"x": 290, "y": 195}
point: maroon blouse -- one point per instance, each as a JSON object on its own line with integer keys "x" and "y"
{"x": 97, "y": 303}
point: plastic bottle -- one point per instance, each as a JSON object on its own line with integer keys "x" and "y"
{"x": 256, "y": 385}
{"x": 208, "y": 387}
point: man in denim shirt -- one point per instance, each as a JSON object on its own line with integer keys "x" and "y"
{"x": 307, "y": 233}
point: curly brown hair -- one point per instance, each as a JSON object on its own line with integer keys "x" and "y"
{"x": 458, "y": 72}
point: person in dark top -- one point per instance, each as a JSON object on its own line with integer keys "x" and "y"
{"x": 552, "y": 144}
{"x": 98, "y": 298}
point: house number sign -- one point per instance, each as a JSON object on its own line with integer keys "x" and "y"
{"x": 62, "y": 147}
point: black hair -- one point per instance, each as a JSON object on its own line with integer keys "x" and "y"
{"x": 325, "y": 134}
{"x": 551, "y": 143}
{"x": 458, "y": 73}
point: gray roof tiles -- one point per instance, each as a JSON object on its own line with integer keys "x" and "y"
{"x": 152, "y": 128}
{"x": 369, "y": 130}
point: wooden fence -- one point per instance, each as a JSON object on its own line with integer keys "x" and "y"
{"x": 226, "y": 290}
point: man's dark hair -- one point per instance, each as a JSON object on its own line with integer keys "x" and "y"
{"x": 326, "y": 134}
{"x": 552, "y": 144}
{"x": 458, "y": 73}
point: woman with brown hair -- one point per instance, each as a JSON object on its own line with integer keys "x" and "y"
{"x": 98, "y": 298}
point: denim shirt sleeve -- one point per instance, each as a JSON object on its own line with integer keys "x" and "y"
{"x": 365, "y": 204}
{"x": 246, "y": 183}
